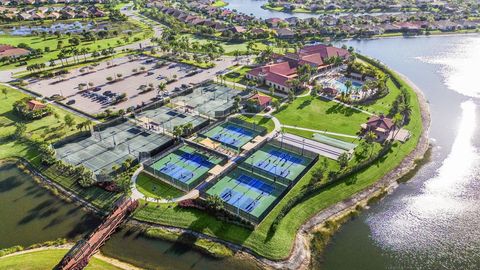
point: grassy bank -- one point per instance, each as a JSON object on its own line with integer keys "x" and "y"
{"x": 46, "y": 260}
{"x": 214, "y": 249}
{"x": 156, "y": 189}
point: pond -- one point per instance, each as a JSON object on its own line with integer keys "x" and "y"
{"x": 34, "y": 214}
{"x": 71, "y": 27}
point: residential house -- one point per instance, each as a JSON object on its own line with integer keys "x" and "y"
{"x": 284, "y": 33}
{"x": 258, "y": 103}
{"x": 10, "y": 51}
{"x": 380, "y": 125}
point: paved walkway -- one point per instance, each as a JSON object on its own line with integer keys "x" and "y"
{"x": 321, "y": 131}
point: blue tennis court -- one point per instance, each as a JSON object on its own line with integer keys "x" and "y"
{"x": 231, "y": 135}
{"x": 247, "y": 192}
{"x": 278, "y": 162}
{"x": 177, "y": 172}
{"x": 186, "y": 165}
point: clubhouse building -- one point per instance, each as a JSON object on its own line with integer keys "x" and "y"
{"x": 284, "y": 68}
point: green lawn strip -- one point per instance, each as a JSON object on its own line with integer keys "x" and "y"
{"x": 323, "y": 115}
{"x": 155, "y": 188}
{"x": 212, "y": 248}
{"x": 259, "y": 120}
{"x": 46, "y": 260}
{"x": 278, "y": 244}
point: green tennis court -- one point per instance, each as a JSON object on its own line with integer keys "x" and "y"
{"x": 246, "y": 194}
{"x": 277, "y": 162}
{"x": 185, "y": 167}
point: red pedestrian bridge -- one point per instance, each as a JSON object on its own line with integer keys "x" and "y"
{"x": 78, "y": 257}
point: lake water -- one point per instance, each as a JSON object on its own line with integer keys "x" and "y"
{"x": 254, "y": 8}
{"x": 432, "y": 221}
{"x": 30, "y": 214}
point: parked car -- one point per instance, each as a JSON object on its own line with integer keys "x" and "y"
{"x": 71, "y": 102}
{"x": 150, "y": 73}
{"x": 96, "y": 89}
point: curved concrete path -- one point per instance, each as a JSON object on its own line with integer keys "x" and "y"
{"x": 136, "y": 194}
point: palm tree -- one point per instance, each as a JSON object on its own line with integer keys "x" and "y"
{"x": 161, "y": 87}
{"x": 370, "y": 137}
{"x": 406, "y": 111}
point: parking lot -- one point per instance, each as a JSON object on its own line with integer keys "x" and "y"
{"x": 98, "y": 93}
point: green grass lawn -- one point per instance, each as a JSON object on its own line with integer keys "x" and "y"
{"x": 259, "y": 120}
{"x": 46, "y": 260}
{"x": 279, "y": 244}
{"x": 219, "y": 3}
{"x": 37, "y": 128}
{"x": 154, "y": 188}
{"x": 238, "y": 75}
{"x": 322, "y": 114}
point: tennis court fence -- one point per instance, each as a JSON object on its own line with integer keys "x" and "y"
{"x": 283, "y": 144}
{"x": 252, "y": 126}
{"x": 265, "y": 174}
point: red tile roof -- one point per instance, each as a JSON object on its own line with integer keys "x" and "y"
{"x": 261, "y": 100}
{"x": 7, "y": 50}
{"x": 380, "y": 122}
{"x": 34, "y": 105}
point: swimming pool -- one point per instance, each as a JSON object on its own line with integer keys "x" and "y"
{"x": 340, "y": 86}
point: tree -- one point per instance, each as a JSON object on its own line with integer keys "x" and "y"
{"x": 348, "y": 84}
{"x": 314, "y": 92}
{"x": 276, "y": 104}
{"x": 69, "y": 120}
{"x": 5, "y": 92}
{"x": 291, "y": 96}
{"x": 272, "y": 90}
{"x": 370, "y": 137}
{"x": 214, "y": 203}
{"x": 20, "y": 130}
{"x": 161, "y": 87}
{"x": 343, "y": 160}
{"x": 177, "y": 131}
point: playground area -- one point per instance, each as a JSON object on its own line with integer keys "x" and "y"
{"x": 234, "y": 133}
{"x": 212, "y": 100}
{"x": 248, "y": 195}
{"x": 111, "y": 145}
{"x": 184, "y": 167}
{"x": 165, "y": 119}
{"x": 280, "y": 164}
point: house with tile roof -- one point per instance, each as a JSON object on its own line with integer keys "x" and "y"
{"x": 380, "y": 125}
